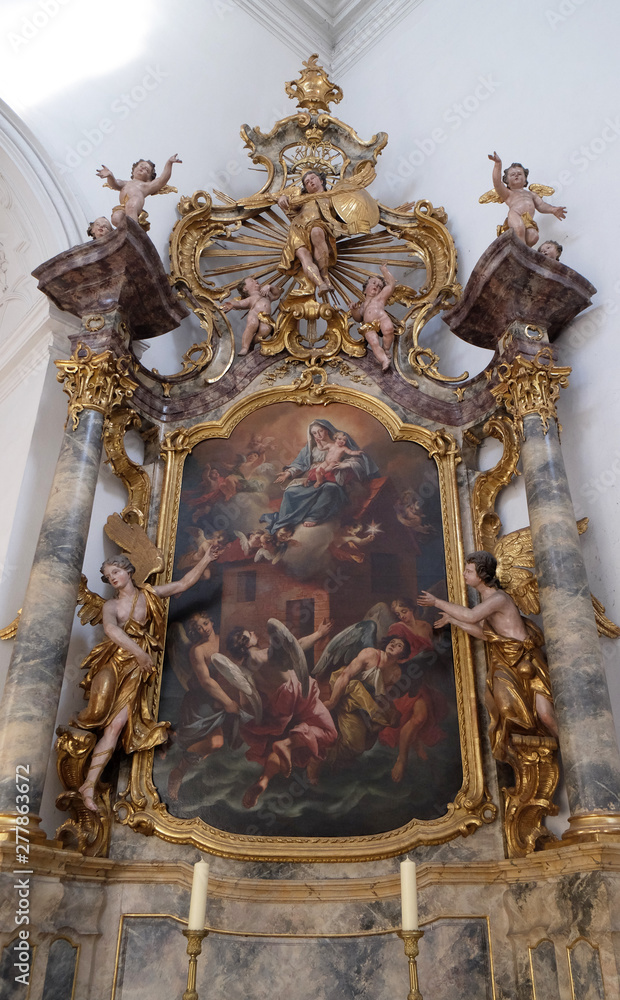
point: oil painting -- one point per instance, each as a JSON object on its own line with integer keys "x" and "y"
{"x": 308, "y": 694}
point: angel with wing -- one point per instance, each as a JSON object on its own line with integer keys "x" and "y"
{"x": 366, "y": 662}
{"x": 144, "y": 181}
{"x": 121, "y": 667}
{"x": 522, "y": 204}
{"x": 518, "y": 691}
{"x": 290, "y": 726}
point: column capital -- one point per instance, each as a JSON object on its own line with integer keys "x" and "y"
{"x": 95, "y": 381}
{"x": 531, "y": 386}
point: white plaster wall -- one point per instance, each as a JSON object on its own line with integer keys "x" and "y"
{"x": 452, "y": 82}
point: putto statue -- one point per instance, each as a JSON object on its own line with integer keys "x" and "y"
{"x": 551, "y": 248}
{"x": 100, "y": 227}
{"x": 121, "y": 667}
{"x": 371, "y": 314}
{"x": 143, "y": 183}
{"x": 522, "y": 203}
{"x": 518, "y": 691}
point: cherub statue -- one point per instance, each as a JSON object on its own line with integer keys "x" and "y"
{"x": 100, "y": 227}
{"x": 143, "y": 183}
{"x": 551, "y": 248}
{"x": 518, "y": 691}
{"x": 120, "y": 667}
{"x": 257, "y": 299}
{"x": 372, "y": 316}
{"x": 522, "y": 203}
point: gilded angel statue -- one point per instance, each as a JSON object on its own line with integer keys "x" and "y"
{"x": 318, "y": 215}
{"x": 518, "y": 690}
{"x": 522, "y": 204}
{"x": 120, "y": 668}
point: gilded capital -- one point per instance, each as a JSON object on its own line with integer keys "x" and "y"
{"x": 529, "y": 386}
{"x": 95, "y": 381}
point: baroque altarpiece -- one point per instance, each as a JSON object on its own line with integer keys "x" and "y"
{"x": 305, "y": 724}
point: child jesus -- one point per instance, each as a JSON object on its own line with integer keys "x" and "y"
{"x": 333, "y": 457}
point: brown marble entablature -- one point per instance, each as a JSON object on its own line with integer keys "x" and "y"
{"x": 512, "y": 282}
{"x": 120, "y": 271}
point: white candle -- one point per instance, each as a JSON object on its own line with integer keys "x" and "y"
{"x": 198, "y": 901}
{"x": 409, "y": 895}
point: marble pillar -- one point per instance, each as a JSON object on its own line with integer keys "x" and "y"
{"x": 33, "y": 684}
{"x": 530, "y": 387}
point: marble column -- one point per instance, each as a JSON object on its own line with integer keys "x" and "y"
{"x": 590, "y": 755}
{"x": 96, "y": 383}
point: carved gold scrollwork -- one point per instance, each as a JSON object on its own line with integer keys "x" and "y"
{"x": 488, "y": 484}
{"x": 527, "y": 387}
{"x": 95, "y": 381}
{"x": 133, "y": 476}
{"x": 534, "y": 762}
{"x": 212, "y": 246}
{"x": 314, "y": 90}
{"x": 89, "y": 831}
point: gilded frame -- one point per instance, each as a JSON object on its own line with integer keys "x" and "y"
{"x": 140, "y": 807}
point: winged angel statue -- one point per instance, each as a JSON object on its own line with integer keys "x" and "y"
{"x": 518, "y": 691}
{"x": 510, "y": 187}
{"x": 120, "y": 668}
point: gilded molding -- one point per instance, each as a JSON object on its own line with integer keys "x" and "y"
{"x": 95, "y": 381}
{"x": 134, "y": 478}
{"x": 314, "y": 90}
{"x": 536, "y": 769}
{"x": 88, "y": 831}
{"x": 529, "y": 387}
{"x": 139, "y": 805}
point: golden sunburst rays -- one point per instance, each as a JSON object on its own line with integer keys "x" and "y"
{"x": 255, "y": 249}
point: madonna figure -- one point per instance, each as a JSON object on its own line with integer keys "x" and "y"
{"x": 315, "y": 486}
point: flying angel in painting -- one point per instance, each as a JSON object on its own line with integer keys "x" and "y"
{"x": 290, "y": 726}
{"x": 364, "y": 663}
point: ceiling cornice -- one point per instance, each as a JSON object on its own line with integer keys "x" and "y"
{"x": 341, "y": 31}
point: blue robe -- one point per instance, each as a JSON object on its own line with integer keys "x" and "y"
{"x": 306, "y": 503}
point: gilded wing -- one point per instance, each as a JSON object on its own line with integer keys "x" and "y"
{"x": 604, "y": 624}
{"x": 133, "y": 540}
{"x": 542, "y": 190}
{"x": 513, "y": 552}
{"x": 10, "y": 630}
{"x": 91, "y": 609}
{"x": 167, "y": 189}
{"x": 490, "y": 197}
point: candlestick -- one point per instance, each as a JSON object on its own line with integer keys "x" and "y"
{"x": 409, "y": 895}
{"x": 198, "y": 901}
{"x": 411, "y": 939}
{"x": 194, "y": 948}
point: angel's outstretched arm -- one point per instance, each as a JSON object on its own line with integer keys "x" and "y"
{"x": 237, "y": 304}
{"x": 190, "y": 578}
{"x": 308, "y": 641}
{"x": 390, "y": 284}
{"x": 446, "y": 619}
{"x": 546, "y": 209}
{"x": 467, "y": 616}
{"x": 164, "y": 177}
{"x": 498, "y": 183}
{"x": 110, "y": 179}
